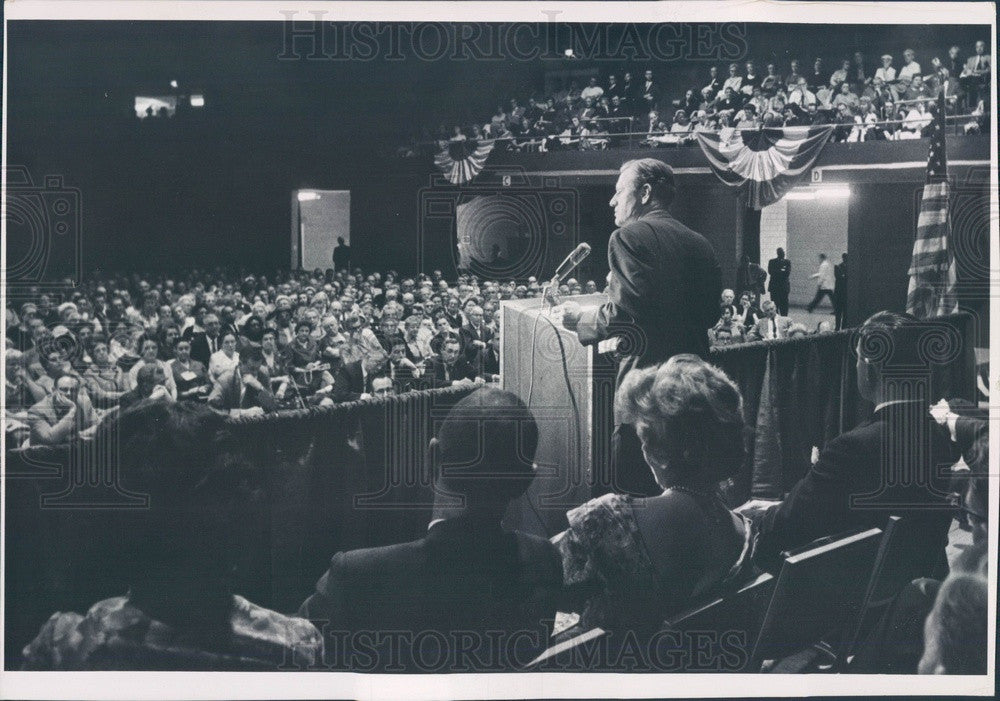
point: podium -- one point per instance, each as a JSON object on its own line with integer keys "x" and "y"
{"x": 563, "y": 398}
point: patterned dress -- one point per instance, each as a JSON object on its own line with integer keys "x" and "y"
{"x": 604, "y": 557}
{"x": 116, "y": 635}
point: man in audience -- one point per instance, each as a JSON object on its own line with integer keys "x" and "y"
{"x": 354, "y": 380}
{"x": 206, "y": 342}
{"x": 474, "y": 335}
{"x": 819, "y": 76}
{"x": 975, "y": 75}
{"x": 841, "y": 75}
{"x": 649, "y": 92}
{"x": 383, "y": 386}
{"x": 863, "y": 476}
{"x": 771, "y": 326}
{"x": 467, "y": 575}
{"x": 450, "y": 368}
{"x": 63, "y": 415}
{"x": 910, "y": 68}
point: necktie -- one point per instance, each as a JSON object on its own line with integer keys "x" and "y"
{"x": 447, "y": 374}
{"x": 774, "y": 328}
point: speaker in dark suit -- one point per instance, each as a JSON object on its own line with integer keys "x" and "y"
{"x": 895, "y": 463}
{"x": 466, "y": 576}
{"x": 663, "y": 294}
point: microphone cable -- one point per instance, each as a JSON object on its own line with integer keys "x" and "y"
{"x": 569, "y": 389}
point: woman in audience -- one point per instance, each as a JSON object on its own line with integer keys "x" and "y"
{"x": 629, "y": 562}
{"x": 105, "y": 381}
{"x": 189, "y": 374}
{"x": 224, "y": 359}
{"x": 177, "y": 559}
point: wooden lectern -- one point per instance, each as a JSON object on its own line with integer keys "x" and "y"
{"x": 563, "y": 399}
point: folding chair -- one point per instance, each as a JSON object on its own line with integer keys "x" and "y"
{"x": 731, "y": 623}
{"x": 819, "y": 587}
{"x": 897, "y": 563}
{"x": 566, "y": 646}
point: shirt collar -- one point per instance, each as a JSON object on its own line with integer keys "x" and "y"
{"x": 879, "y": 407}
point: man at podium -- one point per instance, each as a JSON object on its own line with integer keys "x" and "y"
{"x": 663, "y": 295}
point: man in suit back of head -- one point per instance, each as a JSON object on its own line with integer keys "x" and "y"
{"x": 467, "y": 577}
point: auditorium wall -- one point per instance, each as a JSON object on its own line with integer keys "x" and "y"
{"x": 882, "y": 222}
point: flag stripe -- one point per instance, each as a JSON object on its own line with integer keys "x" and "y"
{"x": 931, "y": 291}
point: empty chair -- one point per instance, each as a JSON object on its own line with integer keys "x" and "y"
{"x": 820, "y": 586}
{"x": 719, "y": 635}
{"x": 897, "y": 563}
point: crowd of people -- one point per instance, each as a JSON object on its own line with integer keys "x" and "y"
{"x": 244, "y": 344}
{"x": 887, "y": 101}
{"x": 758, "y": 318}
{"x": 623, "y": 563}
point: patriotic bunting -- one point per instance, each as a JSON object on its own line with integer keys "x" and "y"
{"x": 763, "y": 163}
{"x": 461, "y": 161}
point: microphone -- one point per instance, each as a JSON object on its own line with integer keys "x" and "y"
{"x": 574, "y": 259}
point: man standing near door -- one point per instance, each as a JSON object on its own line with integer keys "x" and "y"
{"x": 840, "y": 290}
{"x": 779, "y": 270}
{"x": 341, "y": 255}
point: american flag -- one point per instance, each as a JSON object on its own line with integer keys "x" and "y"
{"x": 932, "y": 269}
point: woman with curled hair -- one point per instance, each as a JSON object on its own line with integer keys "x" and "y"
{"x": 629, "y": 562}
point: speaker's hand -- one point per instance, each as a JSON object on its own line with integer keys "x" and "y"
{"x": 571, "y": 315}
{"x": 551, "y": 296}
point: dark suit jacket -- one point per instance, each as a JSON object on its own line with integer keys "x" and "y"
{"x": 851, "y": 465}
{"x": 460, "y": 577}
{"x": 349, "y": 383}
{"x": 839, "y": 279}
{"x": 663, "y": 295}
{"x": 468, "y": 334}
{"x": 435, "y": 372}
{"x": 200, "y": 349}
{"x": 487, "y": 363}
{"x": 779, "y": 270}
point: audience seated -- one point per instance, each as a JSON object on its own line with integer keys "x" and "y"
{"x": 816, "y": 96}
{"x": 467, "y": 575}
{"x": 63, "y": 415}
{"x": 771, "y": 325}
{"x": 175, "y": 559}
{"x": 629, "y": 562}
